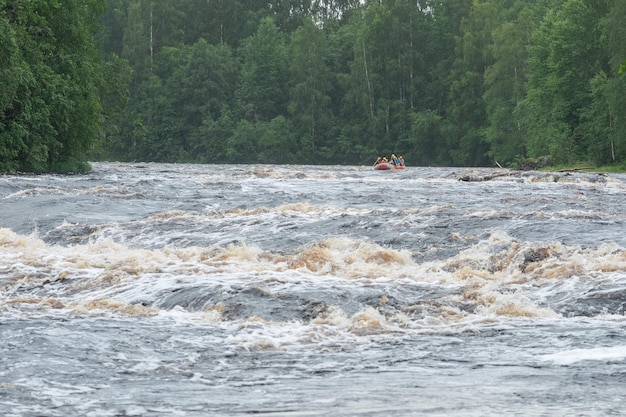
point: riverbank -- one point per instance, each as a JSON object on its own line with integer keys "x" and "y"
{"x": 586, "y": 168}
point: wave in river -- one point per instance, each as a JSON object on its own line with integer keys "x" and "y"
{"x": 372, "y": 286}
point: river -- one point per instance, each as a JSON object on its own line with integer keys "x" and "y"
{"x": 237, "y": 290}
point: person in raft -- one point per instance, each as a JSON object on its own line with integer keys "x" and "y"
{"x": 395, "y": 161}
{"x": 378, "y": 161}
{"x": 401, "y": 160}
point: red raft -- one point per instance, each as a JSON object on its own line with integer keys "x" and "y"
{"x": 385, "y": 166}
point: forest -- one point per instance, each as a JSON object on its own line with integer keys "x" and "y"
{"x": 441, "y": 82}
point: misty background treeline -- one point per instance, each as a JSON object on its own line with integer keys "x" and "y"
{"x": 442, "y": 82}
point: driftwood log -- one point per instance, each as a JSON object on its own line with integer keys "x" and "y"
{"x": 478, "y": 178}
{"x": 554, "y": 176}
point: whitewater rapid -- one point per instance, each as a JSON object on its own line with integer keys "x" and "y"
{"x": 192, "y": 290}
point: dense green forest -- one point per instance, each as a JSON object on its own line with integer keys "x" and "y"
{"x": 442, "y": 82}
{"x": 50, "y": 84}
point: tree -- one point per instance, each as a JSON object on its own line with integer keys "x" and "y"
{"x": 466, "y": 109}
{"x": 51, "y": 112}
{"x": 309, "y": 87}
{"x": 262, "y": 89}
{"x": 445, "y": 82}
{"x": 504, "y": 82}
{"x": 14, "y": 99}
{"x": 204, "y": 88}
{"x": 615, "y": 38}
{"x": 565, "y": 56}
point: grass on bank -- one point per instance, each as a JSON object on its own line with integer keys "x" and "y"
{"x": 616, "y": 168}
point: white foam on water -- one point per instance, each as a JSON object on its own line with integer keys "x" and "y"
{"x": 569, "y": 357}
{"x": 494, "y": 280}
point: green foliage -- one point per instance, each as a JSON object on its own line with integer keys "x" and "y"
{"x": 460, "y": 82}
{"x": 504, "y": 82}
{"x": 50, "y": 112}
{"x": 467, "y": 108}
{"x": 310, "y": 84}
{"x": 262, "y": 88}
{"x": 559, "y": 85}
{"x": 425, "y": 141}
{"x": 455, "y": 82}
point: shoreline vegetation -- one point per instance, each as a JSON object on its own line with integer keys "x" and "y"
{"x": 456, "y": 83}
{"x": 545, "y": 164}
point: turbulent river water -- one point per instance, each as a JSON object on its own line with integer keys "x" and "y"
{"x": 234, "y": 290}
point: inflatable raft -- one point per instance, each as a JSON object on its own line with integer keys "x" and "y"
{"x": 385, "y": 166}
